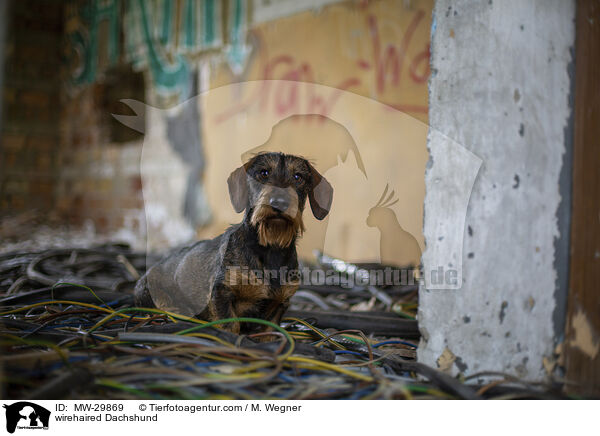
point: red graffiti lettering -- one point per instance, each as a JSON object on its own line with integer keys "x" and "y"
{"x": 296, "y": 91}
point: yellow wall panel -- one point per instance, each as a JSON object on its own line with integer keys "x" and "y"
{"x": 363, "y": 68}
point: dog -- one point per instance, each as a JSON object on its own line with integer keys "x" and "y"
{"x": 246, "y": 271}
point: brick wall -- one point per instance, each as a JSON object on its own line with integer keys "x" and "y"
{"x": 31, "y": 106}
{"x": 98, "y": 179}
{"x": 62, "y": 155}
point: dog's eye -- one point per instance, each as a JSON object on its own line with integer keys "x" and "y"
{"x": 264, "y": 174}
{"x": 298, "y": 177}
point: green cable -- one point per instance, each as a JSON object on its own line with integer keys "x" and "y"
{"x": 358, "y": 341}
{"x": 56, "y": 285}
{"x": 243, "y": 319}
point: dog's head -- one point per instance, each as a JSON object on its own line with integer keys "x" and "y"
{"x": 273, "y": 188}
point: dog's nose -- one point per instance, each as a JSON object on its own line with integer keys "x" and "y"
{"x": 279, "y": 203}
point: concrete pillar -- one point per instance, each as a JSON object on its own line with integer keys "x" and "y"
{"x": 499, "y": 91}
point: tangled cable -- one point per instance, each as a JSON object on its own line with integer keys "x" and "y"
{"x": 68, "y": 330}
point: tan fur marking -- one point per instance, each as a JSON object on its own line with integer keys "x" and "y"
{"x": 233, "y": 327}
{"x": 211, "y": 311}
{"x": 243, "y": 306}
{"x": 276, "y": 233}
{"x": 285, "y": 293}
{"x": 246, "y": 285}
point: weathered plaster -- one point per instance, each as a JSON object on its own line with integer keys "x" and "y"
{"x": 500, "y": 88}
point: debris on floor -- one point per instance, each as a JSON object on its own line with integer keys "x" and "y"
{"x": 68, "y": 330}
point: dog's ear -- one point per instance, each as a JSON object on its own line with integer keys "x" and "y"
{"x": 238, "y": 189}
{"x": 320, "y": 195}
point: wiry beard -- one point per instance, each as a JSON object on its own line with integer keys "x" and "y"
{"x": 276, "y": 230}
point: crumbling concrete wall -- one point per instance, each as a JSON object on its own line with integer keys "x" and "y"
{"x": 500, "y": 87}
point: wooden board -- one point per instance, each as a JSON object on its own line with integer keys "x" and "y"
{"x": 583, "y": 317}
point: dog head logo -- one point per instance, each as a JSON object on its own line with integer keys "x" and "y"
{"x": 24, "y": 414}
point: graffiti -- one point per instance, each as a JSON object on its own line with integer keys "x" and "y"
{"x": 160, "y": 37}
{"x": 294, "y": 93}
{"x": 237, "y": 51}
{"x": 164, "y": 35}
{"x": 169, "y": 73}
{"x": 82, "y": 29}
{"x": 392, "y": 58}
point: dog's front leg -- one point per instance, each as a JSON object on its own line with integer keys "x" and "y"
{"x": 224, "y": 300}
{"x": 277, "y": 314}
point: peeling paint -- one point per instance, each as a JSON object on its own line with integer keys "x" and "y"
{"x": 549, "y": 364}
{"x": 584, "y": 336}
{"x": 446, "y": 360}
{"x": 560, "y": 355}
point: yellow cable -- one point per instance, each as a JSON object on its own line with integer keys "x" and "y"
{"x": 44, "y": 303}
{"x": 109, "y": 311}
{"x": 212, "y": 338}
{"x": 322, "y": 335}
{"x": 54, "y": 347}
{"x": 330, "y": 367}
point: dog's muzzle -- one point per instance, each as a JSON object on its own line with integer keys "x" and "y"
{"x": 277, "y": 216}
{"x": 280, "y": 203}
